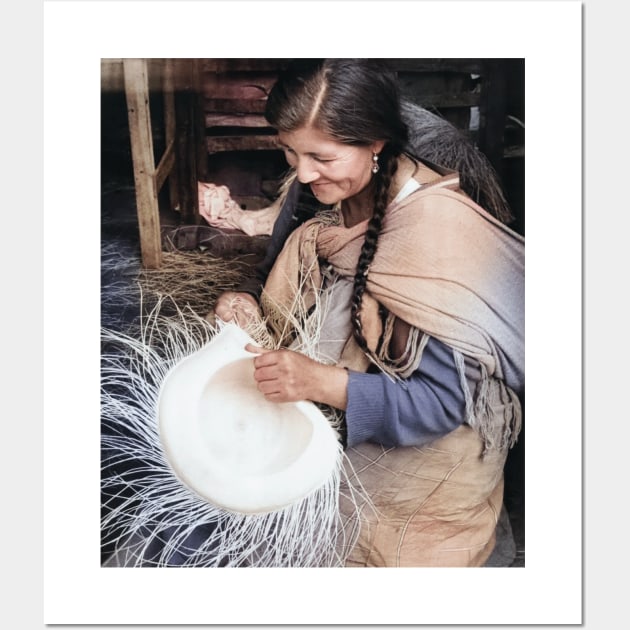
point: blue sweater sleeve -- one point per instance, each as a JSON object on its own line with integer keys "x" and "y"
{"x": 414, "y": 411}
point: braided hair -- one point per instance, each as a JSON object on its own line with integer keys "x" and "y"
{"x": 355, "y": 102}
{"x": 383, "y": 181}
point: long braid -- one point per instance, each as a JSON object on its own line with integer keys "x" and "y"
{"x": 368, "y": 250}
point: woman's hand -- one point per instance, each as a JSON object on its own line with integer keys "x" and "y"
{"x": 240, "y": 307}
{"x": 287, "y": 376}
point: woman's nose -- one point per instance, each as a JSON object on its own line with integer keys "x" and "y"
{"x": 305, "y": 171}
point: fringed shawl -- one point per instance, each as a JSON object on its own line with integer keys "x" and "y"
{"x": 445, "y": 267}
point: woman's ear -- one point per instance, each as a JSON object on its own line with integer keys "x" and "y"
{"x": 377, "y": 146}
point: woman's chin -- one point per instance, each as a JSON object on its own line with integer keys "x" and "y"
{"x": 324, "y": 195}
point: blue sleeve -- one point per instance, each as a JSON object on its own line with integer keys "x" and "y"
{"x": 414, "y": 411}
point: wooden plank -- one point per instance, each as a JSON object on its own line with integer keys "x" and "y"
{"x": 166, "y": 164}
{"x": 236, "y": 120}
{"x": 244, "y": 85}
{"x": 236, "y": 105}
{"x": 137, "y": 95}
{"x": 217, "y": 144}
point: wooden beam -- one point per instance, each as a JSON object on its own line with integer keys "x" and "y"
{"x": 187, "y": 150}
{"x": 199, "y": 128}
{"x": 168, "y": 88}
{"x": 216, "y": 144}
{"x": 137, "y": 94}
{"x": 232, "y": 105}
{"x": 165, "y": 167}
{"x": 236, "y": 120}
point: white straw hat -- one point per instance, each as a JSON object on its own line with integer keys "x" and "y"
{"x": 229, "y": 444}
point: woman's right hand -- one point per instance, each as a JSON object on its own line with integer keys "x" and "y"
{"x": 237, "y": 307}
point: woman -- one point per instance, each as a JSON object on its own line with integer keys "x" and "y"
{"x": 418, "y": 296}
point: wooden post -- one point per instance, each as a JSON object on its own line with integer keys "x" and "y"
{"x": 137, "y": 94}
{"x": 170, "y": 129}
{"x": 200, "y": 123}
{"x": 187, "y": 154}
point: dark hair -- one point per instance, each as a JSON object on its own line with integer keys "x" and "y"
{"x": 355, "y": 102}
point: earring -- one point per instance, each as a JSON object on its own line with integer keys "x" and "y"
{"x": 375, "y": 166}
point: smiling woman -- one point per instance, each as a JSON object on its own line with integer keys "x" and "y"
{"x": 422, "y": 315}
{"x": 392, "y": 301}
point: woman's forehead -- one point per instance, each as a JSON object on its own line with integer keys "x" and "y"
{"x": 311, "y": 140}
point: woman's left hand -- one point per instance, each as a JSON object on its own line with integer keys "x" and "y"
{"x": 288, "y": 376}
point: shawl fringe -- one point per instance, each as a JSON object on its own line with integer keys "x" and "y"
{"x": 497, "y": 430}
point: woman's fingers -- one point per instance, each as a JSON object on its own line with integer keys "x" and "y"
{"x": 267, "y": 365}
{"x": 266, "y": 372}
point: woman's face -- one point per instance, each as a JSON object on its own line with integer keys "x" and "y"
{"x": 335, "y": 171}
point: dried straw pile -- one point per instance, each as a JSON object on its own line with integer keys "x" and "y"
{"x": 191, "y": 280}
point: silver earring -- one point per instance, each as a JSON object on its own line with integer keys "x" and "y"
{"x": 375, "y": 166}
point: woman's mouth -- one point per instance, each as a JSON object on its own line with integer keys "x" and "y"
{"x": 319, "y": 185}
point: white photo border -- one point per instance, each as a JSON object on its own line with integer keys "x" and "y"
{"x": 76, "y": 36}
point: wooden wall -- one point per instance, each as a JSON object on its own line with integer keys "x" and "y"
{"x": 234, "y": 92}
{"x": 220, "y": 104}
